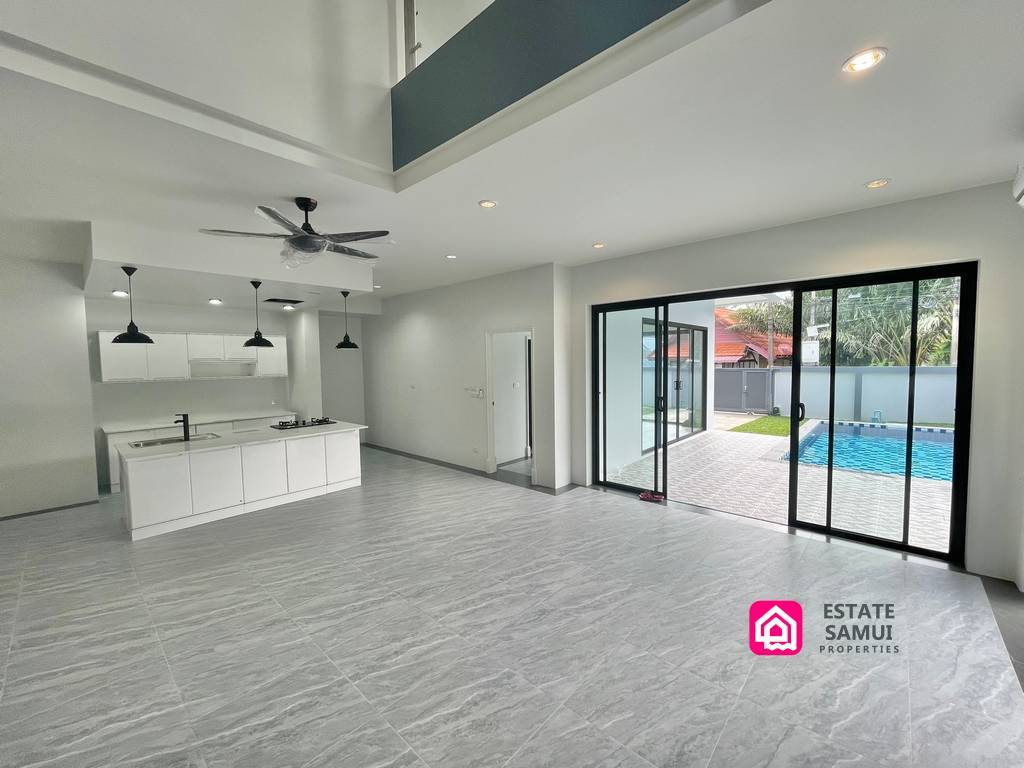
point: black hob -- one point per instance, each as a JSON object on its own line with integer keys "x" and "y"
{"x": 299, "y": 424}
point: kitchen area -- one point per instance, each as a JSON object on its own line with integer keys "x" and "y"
{"x": 199, "y": 424}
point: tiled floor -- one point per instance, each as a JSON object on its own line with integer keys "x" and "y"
{"x": 745, "y": 474}
{"x": 433, "y": 618}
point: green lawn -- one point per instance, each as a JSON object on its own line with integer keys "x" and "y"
{"x": 777, "y": 426}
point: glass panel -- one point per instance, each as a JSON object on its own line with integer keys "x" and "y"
{"x": 812, "y": 472}
{"x": 647, "y": 413}
{"x": 931, "y": 481}
{"x": 628, "y": 378}
{"x": 869, "y": 454}
{"x": 697, "y": 378}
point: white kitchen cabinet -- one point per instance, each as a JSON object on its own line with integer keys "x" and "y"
{"x": 307, "y": 465}
{"x": 264, "y": 471}
{"x": 235, "y": 349}
{"x": 114, "y": 456}
{"x": 216, "y": 479}
{"x": 121, "y": 362}
{"x": 273, "y": 361}
{"x": 342, "y": 450}
{"x": 167, "y": 356}
{"x": 159, "y": 490}
{"x": 205, "y": 346}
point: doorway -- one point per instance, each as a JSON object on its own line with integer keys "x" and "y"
{"x": 837, "y": 405}
{"x": 510, "y": 374}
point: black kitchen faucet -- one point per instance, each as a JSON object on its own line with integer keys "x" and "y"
{"x": 184, "y": 424}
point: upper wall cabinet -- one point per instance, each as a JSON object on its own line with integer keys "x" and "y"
{"x": 180, "y": 356}
{"x": 122, "y": 362}
{"x": 205, "y": 346}
{"x": 166, "y": 357}
{"x": 273, "y": 361}
{"x": 235, "y": 349}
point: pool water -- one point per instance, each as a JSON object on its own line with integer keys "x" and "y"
{"x": 882, "y": 449}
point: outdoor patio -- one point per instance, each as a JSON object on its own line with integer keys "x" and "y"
{"x": 745, "y": 474}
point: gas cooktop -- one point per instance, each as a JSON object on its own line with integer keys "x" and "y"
{"x": 299, "y": 424}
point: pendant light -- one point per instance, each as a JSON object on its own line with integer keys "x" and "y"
{"x": 257, "y": 339}
{"x": 346, "y": 343}
{"x": 132, "y": 335}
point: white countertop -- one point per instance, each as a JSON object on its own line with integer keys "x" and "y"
{"x": 113, "y": 427}
{"x": 266, "y": 435}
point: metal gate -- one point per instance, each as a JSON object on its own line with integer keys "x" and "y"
{"x": 743, "y": 389}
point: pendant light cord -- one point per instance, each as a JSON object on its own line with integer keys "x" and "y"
{"x": 346, "y": 314}
{"x": 257, "y": 297}
{"x": 131, "y": 302}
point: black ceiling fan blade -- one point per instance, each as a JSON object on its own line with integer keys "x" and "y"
{"x": 270, "y": 214}
{"x": 233, "y": 233}
{"x": 349, "y": 237}
{"x": 337, "y": 248}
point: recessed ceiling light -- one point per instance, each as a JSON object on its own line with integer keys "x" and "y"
{"x": 599, "y": 246}
{"x": 120, "y": 294}
{"x": 451, "y": 256}
{"x": 488, "y": 204}
{"x": 863, "y": 60}
{"x": 877, "y": 183}
{"x": 215, "y": 302}
{"x": 288, "y": 308}
{"x": 378, "y": 286}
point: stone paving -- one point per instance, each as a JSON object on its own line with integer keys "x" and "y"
{"x": 745, "y": 474}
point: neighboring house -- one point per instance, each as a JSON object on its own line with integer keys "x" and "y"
{"x": 738, "y": 348}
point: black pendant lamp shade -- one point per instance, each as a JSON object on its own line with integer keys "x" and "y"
{"x": 346, "y": 343}
{"x": 132, "y": 335}
{"x": 257, "y": 339}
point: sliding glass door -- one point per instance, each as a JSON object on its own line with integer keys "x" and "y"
{"x": 629, "y": 397}
{"x": 878, "y": 413}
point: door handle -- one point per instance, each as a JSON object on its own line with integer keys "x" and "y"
{"x": 661, "y": 403}
{"x": 801, "y": 411}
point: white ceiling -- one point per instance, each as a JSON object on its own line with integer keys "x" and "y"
{"x": 753, "y": 125}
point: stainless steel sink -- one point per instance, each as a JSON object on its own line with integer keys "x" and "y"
{"x": 171, "y": 440}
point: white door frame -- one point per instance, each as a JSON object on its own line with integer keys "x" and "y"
{"x": 492, "y": 461}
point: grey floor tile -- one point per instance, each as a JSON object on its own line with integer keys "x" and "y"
{"x": 754, "y": 739}
{"x": 212, "y": 675}
{"x": 374, "y": 744}
{"x": 138, "y": 713}
{"x": 665, "y": 715}
{"x": 568, "y": 741}
{"x": 470, "y": 716}
{"x": 286, "y": 723}
{"x": 861, "y": 703}
{"x": 40, "y": 678}
{"x": 433, "y": 618}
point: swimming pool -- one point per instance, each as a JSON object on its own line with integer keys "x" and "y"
{"x": 881, "y": 448}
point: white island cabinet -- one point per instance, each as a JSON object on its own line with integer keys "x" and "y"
{"x": 179, "y": 485}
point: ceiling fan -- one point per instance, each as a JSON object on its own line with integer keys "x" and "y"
{"x": 302, "y": 243}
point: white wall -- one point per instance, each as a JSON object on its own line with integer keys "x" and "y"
{"x": 981, "y": 224}
{"x": 46, "y": 447}
{"x": 437, "y": 21}
{"x": 126, "y": 401}
{"x": 425, "y": 356}
{"x": 341, "y": 370}
{"x": 701, "y": 314}
{"x": 318, "y": 70}
{"x": 511, "y": 428}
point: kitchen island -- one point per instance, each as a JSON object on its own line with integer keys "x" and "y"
{"x": 181, "y": 484}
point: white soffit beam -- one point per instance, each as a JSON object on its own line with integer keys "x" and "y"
{"x": 241, "y": 257}
{"x": 37, "y": 61}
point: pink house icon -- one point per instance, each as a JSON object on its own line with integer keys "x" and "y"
{"x": 774, "y": 630}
